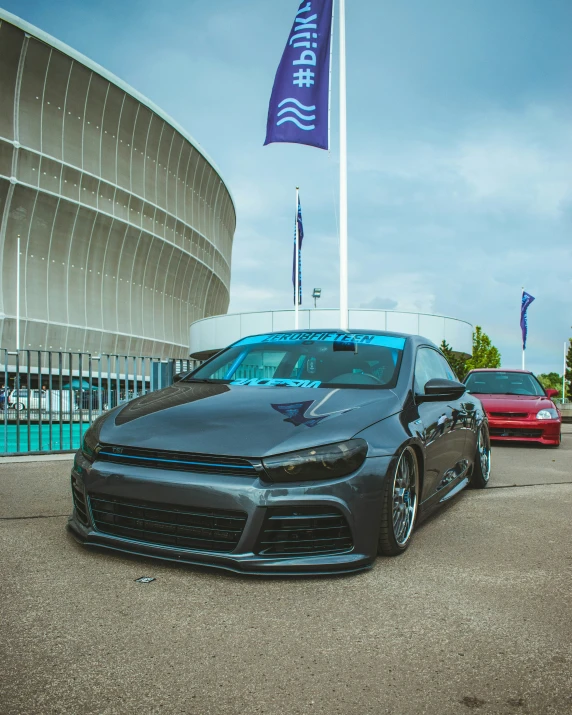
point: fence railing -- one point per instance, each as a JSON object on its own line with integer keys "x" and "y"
{"x": 48, "y": 399}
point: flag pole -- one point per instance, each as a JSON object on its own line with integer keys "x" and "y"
{"x": 18, "y": 295}
{"x": 297, "y": 256}
{"x": 343, "y": 174}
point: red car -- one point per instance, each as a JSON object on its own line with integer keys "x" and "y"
{"x": 517, "y": 406}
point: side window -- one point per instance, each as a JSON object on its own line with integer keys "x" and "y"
{"x": 449, "y": 374}
{"x": 428, "y": 366}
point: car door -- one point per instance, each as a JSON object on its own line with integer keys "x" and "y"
{"x": 442, "y": 427}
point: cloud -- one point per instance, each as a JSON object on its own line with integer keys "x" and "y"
{"x": 380, "y": 304}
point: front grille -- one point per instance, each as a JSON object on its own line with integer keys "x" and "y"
{"x": 79, "y": 501}
{"x": 502, "y": 432}
{"x": 510, "y": 415}
{"x": 304, "y": 531}
{"x": 168, "y": 525}
{"x": 181, "y": 461}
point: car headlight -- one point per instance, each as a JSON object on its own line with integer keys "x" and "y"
{"x": 90, "y": 440}
{"x": 89, "y": 445}
{"x": 327, "y": 462}
{"x": 547, "y": 414}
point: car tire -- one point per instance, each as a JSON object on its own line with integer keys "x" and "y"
{"x": 399, "y": 505}
{"x": 482, "y": 464}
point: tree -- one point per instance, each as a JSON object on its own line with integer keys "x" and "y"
{"x": 454, "y": 359}
{"x": 551, "y": 380}
{"x": 484, "y": 352}
{"x": 569, "y": 370}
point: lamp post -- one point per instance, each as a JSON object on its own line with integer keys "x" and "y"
{"x": 316, "y": 294}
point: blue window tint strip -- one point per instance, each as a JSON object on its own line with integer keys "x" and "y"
{"x": 386, "y": 341}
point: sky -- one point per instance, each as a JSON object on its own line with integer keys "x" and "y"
{"x": 459, "y": 149}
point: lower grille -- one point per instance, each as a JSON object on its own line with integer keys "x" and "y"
{"x": 501, "y": 432}
{"x": 510, "y": 415}
{"x": 304, "y": 531}
{"x": 79, "y": 501}
{"x": 182, "y": 527}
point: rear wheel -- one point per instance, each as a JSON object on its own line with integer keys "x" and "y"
{"x": 482, "y": 463}
{"x": 400, "y": 502}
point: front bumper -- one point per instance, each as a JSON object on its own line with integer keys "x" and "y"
{"x": 525, "y": 430}
{"x": 356, "y": 497}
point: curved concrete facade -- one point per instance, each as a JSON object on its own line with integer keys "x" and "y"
{"x": 212, "y": 334}
{"x": 126, "y": 225}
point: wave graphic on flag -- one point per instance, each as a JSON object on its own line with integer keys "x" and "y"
{"x": 305, "y": 117}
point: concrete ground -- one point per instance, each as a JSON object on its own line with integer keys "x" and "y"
{"x": 476, "y": 616}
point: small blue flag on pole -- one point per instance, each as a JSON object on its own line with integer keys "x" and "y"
{"x": 299, "y": 106}
{"x": 526, "y": 301}
{"x": 298, "y": 225}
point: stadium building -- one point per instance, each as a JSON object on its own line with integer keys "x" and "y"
{"x": 125, "y": 225}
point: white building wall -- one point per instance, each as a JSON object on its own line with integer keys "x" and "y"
{"x": 219, "y": 331}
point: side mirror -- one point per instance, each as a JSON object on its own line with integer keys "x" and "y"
{"x": 439, "y": 390}
{"x": 179, "y": 376}
{"x": 551, "y": 392}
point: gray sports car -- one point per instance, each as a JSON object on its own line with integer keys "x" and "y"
{"x": 286, "y": 453}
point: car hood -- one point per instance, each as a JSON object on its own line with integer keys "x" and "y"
{"x": 515, "y": 403}
{"x": 245, "y": 421}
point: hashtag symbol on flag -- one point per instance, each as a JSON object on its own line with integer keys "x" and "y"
{"x": 304, "y": 78}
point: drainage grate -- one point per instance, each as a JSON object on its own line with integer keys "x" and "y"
{"x": 168, "y": 525}
{"x": 304, "y": 531}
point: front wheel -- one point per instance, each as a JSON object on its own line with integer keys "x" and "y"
{"x": 482, "y": 463}
{"x": 399, "y": 507}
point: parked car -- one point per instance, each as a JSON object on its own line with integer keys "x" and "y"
{"x": 42, "y": 400}
{"x": 297, "y": 452}
{"x": 518, "y": 407}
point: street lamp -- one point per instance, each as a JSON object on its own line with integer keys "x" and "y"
{"x": 316, "y": 294}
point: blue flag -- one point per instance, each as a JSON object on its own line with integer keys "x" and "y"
{"x": 298, "y": 111}
{"x": 526, "y": 301}
{"x": 298, "y": 223}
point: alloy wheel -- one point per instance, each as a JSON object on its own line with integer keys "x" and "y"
{"x": 484, "y": 451}
{"x": 405, "y": 496}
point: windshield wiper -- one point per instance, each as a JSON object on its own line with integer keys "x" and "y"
{"x": 206, "y": 380}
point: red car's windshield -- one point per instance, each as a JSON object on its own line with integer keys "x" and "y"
{"x": 504, "y": 383}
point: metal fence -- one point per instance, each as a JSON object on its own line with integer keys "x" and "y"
{"x": 48, "y": 399}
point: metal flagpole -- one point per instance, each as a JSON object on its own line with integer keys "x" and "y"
{"x": 297, "y": 276}
{"x": 343, "y": 174}
{"x": 18, "y": 295}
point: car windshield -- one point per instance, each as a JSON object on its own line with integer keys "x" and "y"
{"x": 306, "y": 359}
{"x": 503, "y": 383}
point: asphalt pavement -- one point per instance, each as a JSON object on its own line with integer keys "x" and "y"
{"x": 475, "y": 616}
